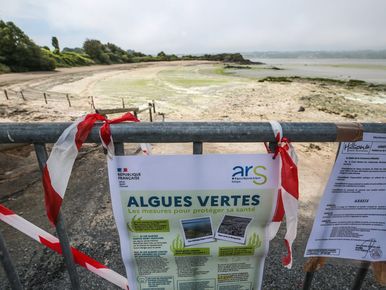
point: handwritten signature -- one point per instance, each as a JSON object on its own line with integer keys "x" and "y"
{"x": 370, "y": 248}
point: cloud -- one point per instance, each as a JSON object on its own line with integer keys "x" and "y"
{"x": 198, "y": 26}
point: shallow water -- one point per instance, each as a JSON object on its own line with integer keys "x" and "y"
{"x": 369, "y": 70}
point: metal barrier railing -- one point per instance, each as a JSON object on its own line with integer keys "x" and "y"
{"x": 170, "y": 132}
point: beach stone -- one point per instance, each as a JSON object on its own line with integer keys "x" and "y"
{"x": 301, "y": 109}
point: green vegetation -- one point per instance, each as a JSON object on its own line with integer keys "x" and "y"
{"x": 105, "y": 53}
{"x": 55, "y": 44}
{"x": 349, "y": 83}
{"x": 68, "y": 59}
{"x": 277, "y": 79}
{"x": 4, "y": 68}
{"x": 19, "y": 53}
{"x": 223, "y": 57}
{"x": 228, "y": 66}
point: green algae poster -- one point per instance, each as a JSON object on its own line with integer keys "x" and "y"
{"x": 189, "y": 222}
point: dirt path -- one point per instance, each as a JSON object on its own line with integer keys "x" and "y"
{"x": 17, "y": 78}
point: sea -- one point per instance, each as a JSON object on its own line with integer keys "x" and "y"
{"x": 369, "y": 70}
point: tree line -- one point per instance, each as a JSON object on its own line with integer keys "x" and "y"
{"x": 19, "y": 53}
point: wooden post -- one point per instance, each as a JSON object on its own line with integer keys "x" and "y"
{"x": 68, "y": 100}
{"x": 92, "y": 102}
{"x": 163, "y": 116}
{"x": 153, "y": 103}
{"x": 6, "y": 94}
{"x": 123, "y": 103}
{"x": 22, "y": 95}
{"x": 136, "y": 113}
{"x": 150, "y": 113}
{"x": 45, "y": 97}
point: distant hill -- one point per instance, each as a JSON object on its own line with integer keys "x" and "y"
{"x": 358, "y": 54}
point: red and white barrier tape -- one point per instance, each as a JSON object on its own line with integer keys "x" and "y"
{"x": 59, "y": 165}
{"x": 36, "y": 233}
{"x": 288, "y": 195}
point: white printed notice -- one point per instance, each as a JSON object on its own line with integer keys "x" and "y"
{"x": 351, "y": 220}
{"x": 194, "y": 221}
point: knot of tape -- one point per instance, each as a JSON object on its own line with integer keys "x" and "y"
{"x": 57, "y": 170}
{"x": 288, "y": 193}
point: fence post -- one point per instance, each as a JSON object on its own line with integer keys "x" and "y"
{"x": 360, "y": 276}
{"x": 163, "y": 116}
{"x": 6, "y": 94}
{"x": 123, "y": 103}
{"x": 92, "y": 102}
{"x": 41, "y": 154}
{"x": 45, "y": 97}
{"x": 68, "y": 100}
{"x": 153, "y": 103}
{"x": 9, "y": 268}
{"x": 119, "y": 148}
{"x": 197, "y": 148}
{"x": 22, "y": 95}
{"x": 150, "y": 113}
{"x": 136, "y": 113}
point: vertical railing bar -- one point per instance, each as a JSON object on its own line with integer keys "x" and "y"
{"x": 272, "y": 146}
{"x": 197, "y": 147}
{"x": 308, "y": 280}
{"x": 360, "y": 276}
{"x": 42, "y": 156}
{"x": 119, "y": 148}
{"x": 9, "y": 268}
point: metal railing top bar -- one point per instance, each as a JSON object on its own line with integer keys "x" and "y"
{"x": 175, "y": 132}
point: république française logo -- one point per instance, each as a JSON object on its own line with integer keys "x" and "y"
{"x": 124, "y": 174}
{"x": 249, "y": 173}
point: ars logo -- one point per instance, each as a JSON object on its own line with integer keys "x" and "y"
{"x": 253, "y": 173}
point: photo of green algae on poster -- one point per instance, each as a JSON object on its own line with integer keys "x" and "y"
{"x": 197, "y": 230}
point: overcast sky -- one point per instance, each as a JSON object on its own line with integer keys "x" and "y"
{"x": 199, "y": 26}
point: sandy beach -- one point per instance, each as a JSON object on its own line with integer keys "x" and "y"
{"x": 184, "y": 91}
